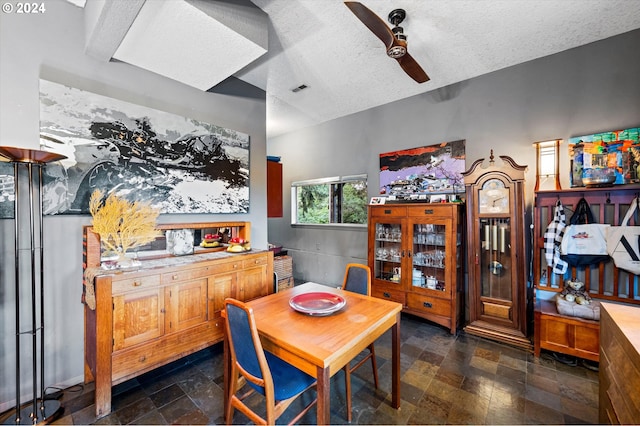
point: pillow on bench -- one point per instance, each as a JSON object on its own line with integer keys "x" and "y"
{"x": 572, "y": 309}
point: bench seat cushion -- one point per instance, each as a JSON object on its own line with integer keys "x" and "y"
{"x": 572, "y": 309}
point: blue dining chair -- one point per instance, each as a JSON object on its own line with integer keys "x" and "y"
{"x": 278, "y": 381}
{"x": 357, "y": 278}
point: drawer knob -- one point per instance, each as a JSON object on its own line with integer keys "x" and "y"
{"x": 143, "y": 358}
{"x": 137, "y": 283}
{"x": 385, "y": 294}
{"x": 427, "y": 305}
{"x": 174, "y": 277}
{"x": 235, "y": 266}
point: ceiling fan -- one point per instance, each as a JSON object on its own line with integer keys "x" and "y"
{"x": 393, "y": 38}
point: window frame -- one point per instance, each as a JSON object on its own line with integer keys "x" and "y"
{"x": 332, "y": 180}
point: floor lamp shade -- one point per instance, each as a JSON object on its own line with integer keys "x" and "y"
{"x": 29, "y": 279}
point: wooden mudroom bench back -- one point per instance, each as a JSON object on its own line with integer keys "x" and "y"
{"x": 609, "y": 205}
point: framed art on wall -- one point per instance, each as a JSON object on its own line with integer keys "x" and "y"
{"x": 7, "y": 190}
{"x": 177, "y": 164}
{"x": 433, "y": 169}
{"x": 605, "y": 158}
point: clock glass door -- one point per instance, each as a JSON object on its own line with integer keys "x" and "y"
{"x": 496, "y": 293}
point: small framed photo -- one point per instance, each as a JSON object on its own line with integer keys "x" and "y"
{"x": 377, "y": 200}
{"x": 438, "y": 198}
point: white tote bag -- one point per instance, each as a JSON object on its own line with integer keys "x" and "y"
{"x": 585, "y": 239}
{"x": 623, "y": 243}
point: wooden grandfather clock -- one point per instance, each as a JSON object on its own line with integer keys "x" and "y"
{"x": 496, "y": 250}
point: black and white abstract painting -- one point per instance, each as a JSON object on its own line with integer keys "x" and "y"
{"x": 7, "y": 190}
{"x": 177, "y": 164}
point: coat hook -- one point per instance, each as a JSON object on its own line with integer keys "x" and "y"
{"x": 608, "y": 198}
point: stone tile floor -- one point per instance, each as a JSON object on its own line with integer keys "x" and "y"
{"x": 446, "y": 379}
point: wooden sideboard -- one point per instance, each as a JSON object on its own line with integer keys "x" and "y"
{"x": 619, "y": 364}
{"x": 165, "y": 309}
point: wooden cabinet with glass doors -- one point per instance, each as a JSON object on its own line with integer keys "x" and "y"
{"x": 415, "y": 256}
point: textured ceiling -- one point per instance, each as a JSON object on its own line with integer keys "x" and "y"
{"x": 321, "y": 44}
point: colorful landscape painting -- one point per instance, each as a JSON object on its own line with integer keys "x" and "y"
{"x": 433, "y": 169}
{"x": 615, "y": 153}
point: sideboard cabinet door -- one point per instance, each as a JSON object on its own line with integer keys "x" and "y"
{"x": 137, "y": 317}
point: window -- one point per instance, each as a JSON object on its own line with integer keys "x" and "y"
{"x": 340, "y": 199}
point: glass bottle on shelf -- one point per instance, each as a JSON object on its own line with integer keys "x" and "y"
{"x": 388, "y": 252}
{"x": 429, "y": 256}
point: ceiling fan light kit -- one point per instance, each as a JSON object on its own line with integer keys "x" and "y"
{"x": 393, "y": 38}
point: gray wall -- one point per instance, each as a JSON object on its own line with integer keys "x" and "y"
{"x": 581, "y": 91}
{"x": 51, "y": 46}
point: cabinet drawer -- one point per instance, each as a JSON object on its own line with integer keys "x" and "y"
{"x": 227, "y": 266}
{"x": 138, "y": 283}
{"x": 431, "y": 305}
{"x": 187, "y": 274}
{"x": 388, "y": 211}
{"x": 256, "y": 261}
{"x": 433, "y": 210}
{"x": 388, "y": 294}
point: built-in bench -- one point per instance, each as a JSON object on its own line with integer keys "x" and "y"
{"x": 566, "y": 334}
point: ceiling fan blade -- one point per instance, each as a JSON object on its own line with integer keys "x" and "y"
{"x": 373, "y": 22}
{"x": 411, "y": 67}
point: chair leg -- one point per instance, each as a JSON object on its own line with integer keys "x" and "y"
{"x": 347, "y": 376}
{"x": 233, "y": 380}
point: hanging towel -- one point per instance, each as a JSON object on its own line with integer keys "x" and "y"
{"x": 553, "y": 238}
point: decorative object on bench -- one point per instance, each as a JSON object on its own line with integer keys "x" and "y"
{"x": 574, "y": 292}
{"x": 584, "y": 241}
{"x": 122, "y": 225}
{"x": 623, "y": 242}
{"x": 575, "y": 301}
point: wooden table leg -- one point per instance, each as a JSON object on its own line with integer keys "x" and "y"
{"x": 324, "y": 396}
{"x": 395, "y": 359}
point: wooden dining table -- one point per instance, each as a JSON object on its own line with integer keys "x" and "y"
{"x": 322, "y": 345}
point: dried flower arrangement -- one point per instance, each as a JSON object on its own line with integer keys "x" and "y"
{"x": 122, "y": 225}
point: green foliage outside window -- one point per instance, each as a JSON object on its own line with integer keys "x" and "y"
{"x": 313, "y": 204}
{"x": 354, "y": 202}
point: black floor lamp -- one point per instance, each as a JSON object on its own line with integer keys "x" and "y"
{"x": 27, "y": 168}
